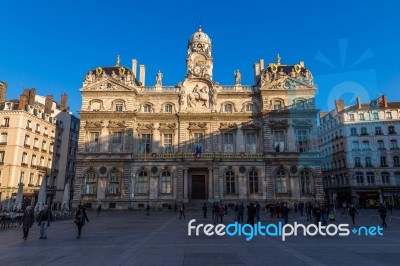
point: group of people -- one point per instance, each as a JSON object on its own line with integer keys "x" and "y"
{"x": 45, "y": 218}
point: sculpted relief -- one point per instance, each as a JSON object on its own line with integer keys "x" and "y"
{"x": 274, "y": 77}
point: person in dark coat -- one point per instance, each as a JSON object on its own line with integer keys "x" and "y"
{"x": 240, "y": 213}
{"x": 205, "y": 210}
{"x": 80, "y": 218}
{"x": 251, "y": 212}
{"x": 382, "y": 213}
{"x": 44, "y": 221}
{"x": 98, "y": 210}
{"x": 27, "y": 221}
{"x": 352, "y": 212}
{"x": 285, "y": 213}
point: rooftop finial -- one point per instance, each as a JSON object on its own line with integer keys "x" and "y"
{"x": 278, "y": 59}
{"x": 118, "y": 60}
{"x": 199, "y": 29}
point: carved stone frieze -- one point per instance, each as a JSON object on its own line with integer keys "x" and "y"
{"x": 94, "y": 124}
{"x": 197, "y": 126}
{"x": 278, "y": 123}
{"x": 251, "y": 125}
{"x": 302, "y": 123}
{"x": 116, "y": 124}
{"x": 167, "y": 126}
{"x": 227, "y": 126}
{"x": 145, "y": 126}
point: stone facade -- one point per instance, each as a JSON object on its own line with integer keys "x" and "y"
{"x": 361, "y": 156}
{"x": 197, "y": 141}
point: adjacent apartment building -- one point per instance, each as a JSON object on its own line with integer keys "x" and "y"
{"x": 197, "y": 141}
{"x": 36, "y": 136}
{"x": 360, "y": 153}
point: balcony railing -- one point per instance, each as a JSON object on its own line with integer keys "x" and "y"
{"x": 208, "y": 155}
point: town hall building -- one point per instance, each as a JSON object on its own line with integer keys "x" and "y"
{"x": 197, "y": 141}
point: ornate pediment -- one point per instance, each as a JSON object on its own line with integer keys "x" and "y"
{"x": 167, "y": 126}
{"x": 197, "y": 126}
{"x": 278, "y": 123}
{"x": 116, "y": 124}
{"x": 251, "y": 125}
{"x": 147, "y": 126}
{"x": 94, "y": 124}
{"x": 302, "y": 123}
{"x": 227, "y": 126}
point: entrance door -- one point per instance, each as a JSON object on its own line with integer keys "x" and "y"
{"x": 198, "y": 187}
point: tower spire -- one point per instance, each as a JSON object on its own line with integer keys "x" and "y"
{"x": 118, "y": 60}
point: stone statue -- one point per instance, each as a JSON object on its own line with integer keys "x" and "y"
{"x": 128, "y": 77}
{"x": 238, "y": 77}
{"x": 104, "y": 75}
{"x": 293, "y": 73}
{"x": 181, "y": 93}
{"x": 281, "y": 73}
{"x": 90, "y": 77}
{"x": 198, "y": 94}
{"x": 159, "y": 78}
{"x": 213, "y": 97}
{"x": 113, "y": 75}
{"x": 266, "y": 78}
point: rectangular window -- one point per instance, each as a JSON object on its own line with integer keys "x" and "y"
{"x": 118, "y": 107}
{"x": 116, "y": 142}
{"x": 46, "y": 131}
{"x": 146, "y": 143}
{"x": 302, "y": 140}
{"x": 37, "y": 128}
{"x": 198, "y": 142}
{"x": 27, "y": 140}
{"x": 366, "y": 145}
{"x": 391, "y": 130}
{"x": 167, "y": 143}
{"x": 6, "y": 122}
{"x": 168, "y": 108}
{"x": 364, "y": 131}
{"x": 279, "y": 141}
{"x": 94, "y": 142}
{"x": 376, "y": 116}
{"x": 361, "y": 117}
{"x": 353, "y": 131}
{"x": 370, "y": 178}
{"x": 368, "y": 162}
{"x": 251, "y": 142}
{"x": 24, "y": 157}
{"x": 44, "y": 145}
{"x": 277, "y": 106}
{"x": 357, "y": 162}
{"x": 22, "y": 177}
{"x": 383, "y": 161}
{"x": 3, "y": 139}
{"x": 29, "y": 124}
{"x": 393, "y": 145}
{"x": 381, "y": 145}
{"x": 228, "y": 142}
{"x": 355, "y": 146}
{"x": 33, "y": 160}
{"x": 49, "y": 163}
{"x": 36, "y": 143}
{"x": 388, "y": 115}
{"x": 378, "y": 131}
{"x": 396, "y": 161}
{"x": 351, "y": 117}
{"x": 385, "y": 178}
{"x": 41, "y": 161}
{"x": 31, "y": 178}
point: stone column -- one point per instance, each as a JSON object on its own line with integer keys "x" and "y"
{"x": 210, "y": 184}
{"x": 221, "y": 188}
{"x": 240, "y": 141}
{"x": 185, "y": 185}
{"x": 242, "y": 187}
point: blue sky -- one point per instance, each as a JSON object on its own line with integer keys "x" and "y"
{"x": 351, "y": 48}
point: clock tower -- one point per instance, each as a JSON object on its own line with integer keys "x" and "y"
{"x": 199, "y": 61}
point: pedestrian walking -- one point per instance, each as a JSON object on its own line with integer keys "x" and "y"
{"x": 240, "y": 213}
{"x": 382, "y": 213}
{"x": 205, "y": 210}
{"x": 182, "y": 212}
{"x": 98, "y": 210}
{"x": 325, "y": 214}
{"x": 309, "y": 210}
{"x": 251, "y": 212}
{"x": 285, "y": 213}
{"x": 317, "y": 214}
{"x": 148, "y": 210}
{"x": 258, "y": 209}
{"x": 352, "y": 212}
{"x": 44, "y": 221}
{"x": 80, "y": 218}
{"x": 27, "y": 221}
{"x": 295, "y": 207}
{"x": 221, "y": 212}
{"x": 216, "y": 213}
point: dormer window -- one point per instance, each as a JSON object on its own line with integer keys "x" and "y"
{"x": 228, "y": 108}
{"x": 147, "y": 108}
{"x": 168, "y": 108}
{"x": 118, "y": 107}
{"x": 277, "y": 105}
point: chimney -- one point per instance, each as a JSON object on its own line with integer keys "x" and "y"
{"x": 384, "y": 101}
{"x": 48, "y": 103}
{"x": 256, "y": 72}
{"x": 142, "y": 74}
{"x": 358, "y": 103}
{"x": 23, "y": 101}
{"x": 339, "y": 105}
{"x": 261, "y": 64}
{"x": 3, "y": 90}
{"x": 30, "y": 94}
{"x": 134, "y": 67}
{"x": 64, "y": 100}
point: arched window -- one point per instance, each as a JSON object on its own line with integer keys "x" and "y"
{"x": 147, "y": 108}
{"x": 142, "y": 182}
{"x": 253, "y": 182}
{"x": 281, "y": 182}
{"x": 305, "y": 182}
{"x": 228, "y": 108}
{"x": 230, "y": 182}
{"x": 89, "y": 183}
{"x": 166, "y": 182}
{"x": 114, "y": 182}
